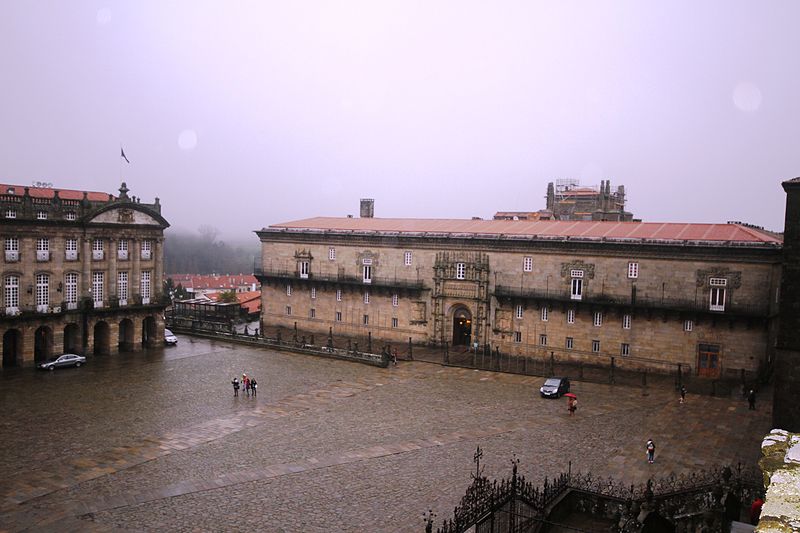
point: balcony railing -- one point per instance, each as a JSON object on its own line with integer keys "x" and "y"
{"x": 339, "y": 278}
{"x": 672, "y": 304}
{"x": 12, "y": 256}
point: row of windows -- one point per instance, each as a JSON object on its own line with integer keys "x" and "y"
{"x": 11, "y": 248}
{"x": 527, "y": 266}
{"x": 312, "y": 313}
{"x": 395, "y": 297}
{"x": 11, "y": 212}
{"x": 70, "y": 288}
{"x": 407, "y": 256}
{"x": 569, "y": 343}
{"x": 597, "y": 318}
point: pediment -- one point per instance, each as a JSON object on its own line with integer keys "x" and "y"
{"x": 124, "y": 215}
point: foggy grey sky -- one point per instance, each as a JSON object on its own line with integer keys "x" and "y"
{"x": 244, "y": 114}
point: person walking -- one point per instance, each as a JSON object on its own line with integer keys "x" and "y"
{"x": 651, "y": 451}
{"x": 235, "y": 383}
{"x": 751, "y": 399}
{"x": 572, "y": 405}
{"x": 683, "y": 394}
{"x": 253, "y": 386}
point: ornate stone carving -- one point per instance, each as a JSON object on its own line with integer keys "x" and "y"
{"x": 369, "y": 255}
{"x": 303, "y": 254}
{"x": 734, "y": 277}
{"x": 588, "y": 269}
{"x": 460, "y": 289}
{"x": 125, "y": 215}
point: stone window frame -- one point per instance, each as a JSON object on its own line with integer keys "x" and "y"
{"x": 518, "y": 311}
{"x": 313, "y": 293}
{"x": 625, "y": 349}
{"x": 395, "y": 300}
{"x": 41, "y": 215}
{"x": 688, "y": 325}
{"x": 407, "y": 258}
{"x": 570, "y": 316}
{"x": 331, "y": 253}
{"x": 366, "y": 297}
{"x": 11, "y": 212}
{"x": 288, "y": 310}
{"x": 544, "y": 313}
{"x": 338, "y": 295}
{"x": 597, "y": 319}
{"x": 569, "y": 343}
{"x": 595, "y": 346}
{"x": 633, "y": 270}
{"x": 527, "y": 264}
{"x": 543, "y": 339}
{"x": 365, "y": 320}
{"x": 288, "y": 289}
{"x": 70, "y": 215}
{"x": 461, "y": 270}
{"x": 627, "y": 319}
{"x": 338, "y": 316}
{"x": 395, "y": 322}
{"x": 312, "y": 313}
{"x": 518, "y": 337}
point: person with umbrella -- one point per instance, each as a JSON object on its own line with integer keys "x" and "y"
{"x": 572, "y": 403}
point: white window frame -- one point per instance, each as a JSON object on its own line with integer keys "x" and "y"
{"x": 43, "y": 249}
{"x": 123, "y": 287}
{"x": 517, "y": 337}
{"x": 688, "y": 325}
{"x": 313, "y": 293}
{"x": 41, "y": 215}
{"x": 11, "y": 285}
{"x": 312, "y": 313}
{"x": 145, "y": 287}
{"x": 543, "y": 339}
{"x": 42, "y": 292}
{"x": 71, "y": 249}
{"x": 11, "y": 247}
{"x": 527, "y": 264}
{"x": 70, "y": 215}
{"x": 304, "y": 267}
{"x": 626, "y": 321}
{"x": 544, "y": 313}
{"x": 122, "y": 249}
{"x": 365, "y": 320}
{"x": 395, "y": 322}
{"x": 288, "y": 310}
{"x": 366, "y": 297}
{"x": 576, "y": 288}
{"x": 338, "y": 295}
{"x": 288, "y": 289}
{"x": 395, "y": 300}
{"x": 461, "y": 271}
{"x": 71, "y": 290}
{"x": 97, "y": 249}
{"x": 570, "y": 316}
{"x": 11, "y": 212}
{"x": 633, "y": 270}
{"x": 597, "y": 319}
{"x": 338, "y": 316}
{"x": 518, "y": 311}
{"x": 595, "y": 346}
{"x": 98, "y": 288}
{"x": 625, "y": 349}
{"x": 407, "y": 258}
{"x": 331, "y": 254}
{"x": 146, "y": 249}
{"x": 717, "y": 297}
{"x": 569, "y": 343}
{"x": 367, "y": 272}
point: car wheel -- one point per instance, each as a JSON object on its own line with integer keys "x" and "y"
{"x": 51, "y": 367}
{"x": 77, "y": 364}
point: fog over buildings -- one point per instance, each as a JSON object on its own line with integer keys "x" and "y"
{"x": 240, "y": 115}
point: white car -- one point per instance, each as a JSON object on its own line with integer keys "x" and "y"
{"x": 68, "y": 359}
{"x": 170, "y": 338}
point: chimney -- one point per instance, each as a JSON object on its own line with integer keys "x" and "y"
{"x": 367, "y": 208}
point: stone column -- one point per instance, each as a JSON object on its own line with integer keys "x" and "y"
{"x": 86, "y": 267}
{"x": 135, "y": 252}
{"x": 157, "y": 284}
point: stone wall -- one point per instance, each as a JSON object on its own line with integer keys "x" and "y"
{"x": 781, "y": 467}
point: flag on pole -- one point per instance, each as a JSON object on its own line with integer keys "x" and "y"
{"x": 122, "y": 153}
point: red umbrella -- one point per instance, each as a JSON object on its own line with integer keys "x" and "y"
{"x": 570, "y": 395}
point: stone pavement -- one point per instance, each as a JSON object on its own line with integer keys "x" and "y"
{"x": 326, "y": 445}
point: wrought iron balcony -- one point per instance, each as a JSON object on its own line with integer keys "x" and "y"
{"x": 702, "y": 305}
{"x": 266, "y": 275}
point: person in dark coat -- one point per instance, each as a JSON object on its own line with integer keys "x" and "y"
{"x": 235, "y": 383}
{"x": 253, "y": 386}
{"x": 751, "y": 399}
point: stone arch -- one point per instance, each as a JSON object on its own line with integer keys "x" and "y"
{"x": 462, "y": 325}
{"x": 126, "y": 336}
{"x": 73, "y": 342}
{"x": 102, "y": 338}
{"x": 149, "y": 338}
{"x": 42, "y": 344}
{"x": 12, "y": 348}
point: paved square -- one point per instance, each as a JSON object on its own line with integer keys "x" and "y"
{"x": 157, "y": 440}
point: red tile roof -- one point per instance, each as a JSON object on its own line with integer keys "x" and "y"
{"x": 219, "y": 282}
{"x": 64, "y": 194}
{"x": 545, "y": 229}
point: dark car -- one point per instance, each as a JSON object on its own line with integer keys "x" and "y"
{"x": 554, "y": 387}
{"x": 68, "y": 359}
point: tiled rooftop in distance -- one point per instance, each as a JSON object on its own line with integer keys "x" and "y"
{"x": 46, "y": 192}
{"x": 542, "y": 229}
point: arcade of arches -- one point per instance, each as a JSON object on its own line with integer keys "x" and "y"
{"x": 26, "y": 343}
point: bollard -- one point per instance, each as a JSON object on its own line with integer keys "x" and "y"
{"x": 611, "y": 375}
{"x": 410, "y": 354}
{"x": 369, "y": 342}
{"x": 552, "y": 364}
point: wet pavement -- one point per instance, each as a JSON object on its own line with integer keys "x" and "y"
{"x": 156, "y": 440}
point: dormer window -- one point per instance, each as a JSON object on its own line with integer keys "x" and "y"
{"x": 70, "y": 215}
{"x": 41, "y": 215}
{"x": 11, "y": 212}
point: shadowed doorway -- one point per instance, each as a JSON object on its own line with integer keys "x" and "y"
{"x": 462, "y": 327}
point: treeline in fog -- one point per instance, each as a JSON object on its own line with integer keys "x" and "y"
{"x": 204, "y": 253}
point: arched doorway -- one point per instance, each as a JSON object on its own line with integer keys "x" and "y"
{"x": 149, "y": 332}
{"x": 126, "y": 335}
{"x": 72, "y": 339}
{"x": 102, "y": 339}
{"x": 12, "y": 348}
{"x": 462, "y": 327}
{"x": 42, "y": 344}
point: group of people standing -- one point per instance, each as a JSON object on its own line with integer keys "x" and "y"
{"x": 249, "y": 384}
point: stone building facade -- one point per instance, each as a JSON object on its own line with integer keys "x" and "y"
{"x": 648, "y": 295}
{"x": 81, "y": 273}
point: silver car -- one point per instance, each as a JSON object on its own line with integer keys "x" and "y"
{"x": 68, "y": 359}
{"x": 169, "y": 337}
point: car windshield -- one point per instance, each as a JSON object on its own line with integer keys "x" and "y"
{"x": 167, "y": 333}
{"x": 552, "y": 382}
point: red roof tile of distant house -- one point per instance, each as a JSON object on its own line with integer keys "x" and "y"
{"x": 215, "y": 282}
{"x": 45, "y": 192}
{"x": 541, "y": 229}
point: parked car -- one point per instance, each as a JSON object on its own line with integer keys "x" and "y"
{"x": 68, "y": 359}
{"x": 554, "y": 387}
{"x": 170, "y": 338}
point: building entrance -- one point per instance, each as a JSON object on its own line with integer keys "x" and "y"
{"x": 12, "y": 352}
{"x": 462, "y": 327}
{"x": 708, "y": 360}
